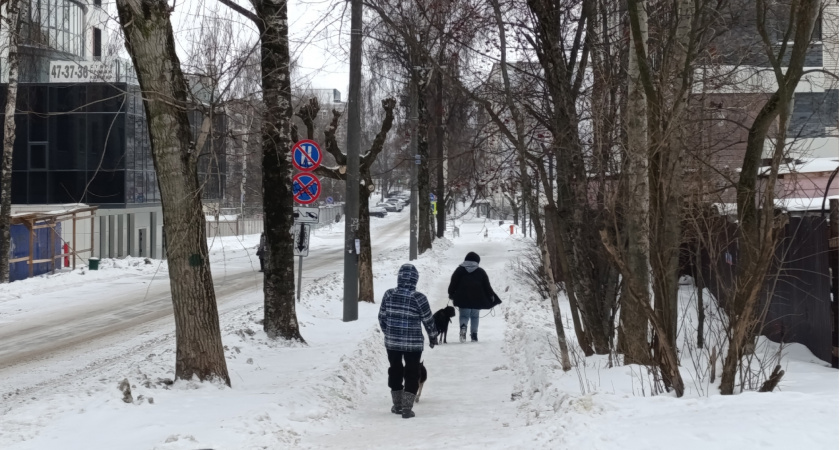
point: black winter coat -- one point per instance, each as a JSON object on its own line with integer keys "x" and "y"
{"x": 471, "y": 290}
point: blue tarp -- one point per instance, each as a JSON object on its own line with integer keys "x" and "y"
{"x": 20, "y": 249}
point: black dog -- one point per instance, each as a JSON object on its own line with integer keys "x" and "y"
{"x": 442, "y": 319}
{"x": 423, "y": 376}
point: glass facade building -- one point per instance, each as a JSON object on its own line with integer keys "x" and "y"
{"x": 89, "y": 143}
{"x": 57, "y": 25}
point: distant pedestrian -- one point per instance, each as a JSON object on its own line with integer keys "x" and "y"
{"x": 261, "y": 252}
{"x": 470, "y": 291}
{"x": 401, "y": 312}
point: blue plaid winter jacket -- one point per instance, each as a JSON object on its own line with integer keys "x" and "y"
{"x": 401, "y": 312}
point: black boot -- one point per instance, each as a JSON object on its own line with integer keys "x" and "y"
{"x": 474, "y": 337}
{"x": 407, "y": 404}
{"x": 396, "y": 396}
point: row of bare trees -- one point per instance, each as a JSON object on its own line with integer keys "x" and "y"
{"x": 583, "y": 111}
{"x": 614, "y": 92}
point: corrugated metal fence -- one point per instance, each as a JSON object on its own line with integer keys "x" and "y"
{"x": 239, "y": 226}
{"x": 800, "y": 308}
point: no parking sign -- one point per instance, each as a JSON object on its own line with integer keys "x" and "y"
{"x": 306, "y": 188}
{"x": 306, "y": 155}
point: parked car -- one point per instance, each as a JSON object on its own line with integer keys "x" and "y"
{"x": 378, "y": 211}
{"x": 405, "y": 200}
{"x": 390, "y": 207}
{"x": 396, "y": 203}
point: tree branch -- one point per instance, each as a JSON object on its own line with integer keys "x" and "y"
{"x": 244, "y": 12}
{"x": 379, "y": 141}
{"x": 307, "y": 113}
{"x": 332, "y": 145}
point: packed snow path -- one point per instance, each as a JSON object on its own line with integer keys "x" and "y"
{"x": 466, "y": 402}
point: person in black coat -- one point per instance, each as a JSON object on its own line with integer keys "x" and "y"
{"x": 261, "y": 252}
{"x": 470, "y": 291}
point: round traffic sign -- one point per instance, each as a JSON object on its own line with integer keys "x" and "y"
{"x": 306, "y": 188}
{"x": 306, "y": 155}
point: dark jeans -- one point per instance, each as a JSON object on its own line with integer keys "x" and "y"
{"x": 411, "y": 371}
{"x": 262, "y": 263}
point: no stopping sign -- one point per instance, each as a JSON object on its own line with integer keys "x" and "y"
{"x": 306, "y": 188}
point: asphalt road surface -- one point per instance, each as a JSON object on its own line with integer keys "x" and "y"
{"x": 46, "y": 344}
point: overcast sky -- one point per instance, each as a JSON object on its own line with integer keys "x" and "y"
{"x": 317, "y": 38}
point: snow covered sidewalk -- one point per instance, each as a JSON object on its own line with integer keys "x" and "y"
{"x": 506, "y": 391}
{"x": 466, "y": 402}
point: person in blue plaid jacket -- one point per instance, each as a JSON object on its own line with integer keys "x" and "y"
{"x": 400, "y": 314}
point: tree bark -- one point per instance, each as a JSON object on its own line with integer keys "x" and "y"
{"x": 424, "y": 213}
{"x": 280, "y": 317}
{"x": 149, "y": 41}
{"x": 636, "y": 211}
{"x": 440, "y": 160}
{"x": 12, "y": 22}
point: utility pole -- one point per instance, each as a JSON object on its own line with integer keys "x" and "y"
{"x": 413, "y": 120}
{"x": 351, "y": 207}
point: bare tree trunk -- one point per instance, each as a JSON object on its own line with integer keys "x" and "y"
{"x": 758, "y": 230}
{"x": 440, "y": 138}
{"x": 699, "y": 285}
{"x": 636, "y": 211}
{"x": 280, "y": 317}
{"x": 584, "y": 338}
{"x": 366, "y": 251}
{"x": 424, "y": 228}
{"x": 12, "y": 22}
{"x": 149, "y": 40}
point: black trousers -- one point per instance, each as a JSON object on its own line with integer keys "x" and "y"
{"x": 410, "y": 373}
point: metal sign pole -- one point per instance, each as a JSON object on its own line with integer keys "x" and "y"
{"x": 300, "y": 274}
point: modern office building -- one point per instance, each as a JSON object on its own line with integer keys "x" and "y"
{"x": 81, "y": 131}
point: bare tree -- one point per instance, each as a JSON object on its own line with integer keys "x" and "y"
{"x": 271, "y": 19}
{"x": 758, "y": 223}
{"x": 149, "y": 41}
{"x": 307, "y": 114}
{"x": 636, "y": 206}
{"x": 12, "y": 21}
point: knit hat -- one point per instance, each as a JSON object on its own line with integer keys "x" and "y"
{"x": 472, "y": 256}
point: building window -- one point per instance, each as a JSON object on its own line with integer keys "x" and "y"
{"x": 97, "y": 3}
{"x": 97, "y": 44}
{"x": 55, "y": 24}
{"x": 38, "y": 156}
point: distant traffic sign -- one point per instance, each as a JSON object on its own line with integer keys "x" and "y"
{"x": 432, "y": 197}
{"x": 306, "y": 188}
{"x": 329, "y": 200}
{"x": 306, "y": 155}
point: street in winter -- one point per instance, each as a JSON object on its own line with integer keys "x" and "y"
{"x": 419, "y": 224}
{"x": 69, "y": 340}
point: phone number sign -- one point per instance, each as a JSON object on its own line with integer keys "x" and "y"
{"x": 82, "y": 71}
